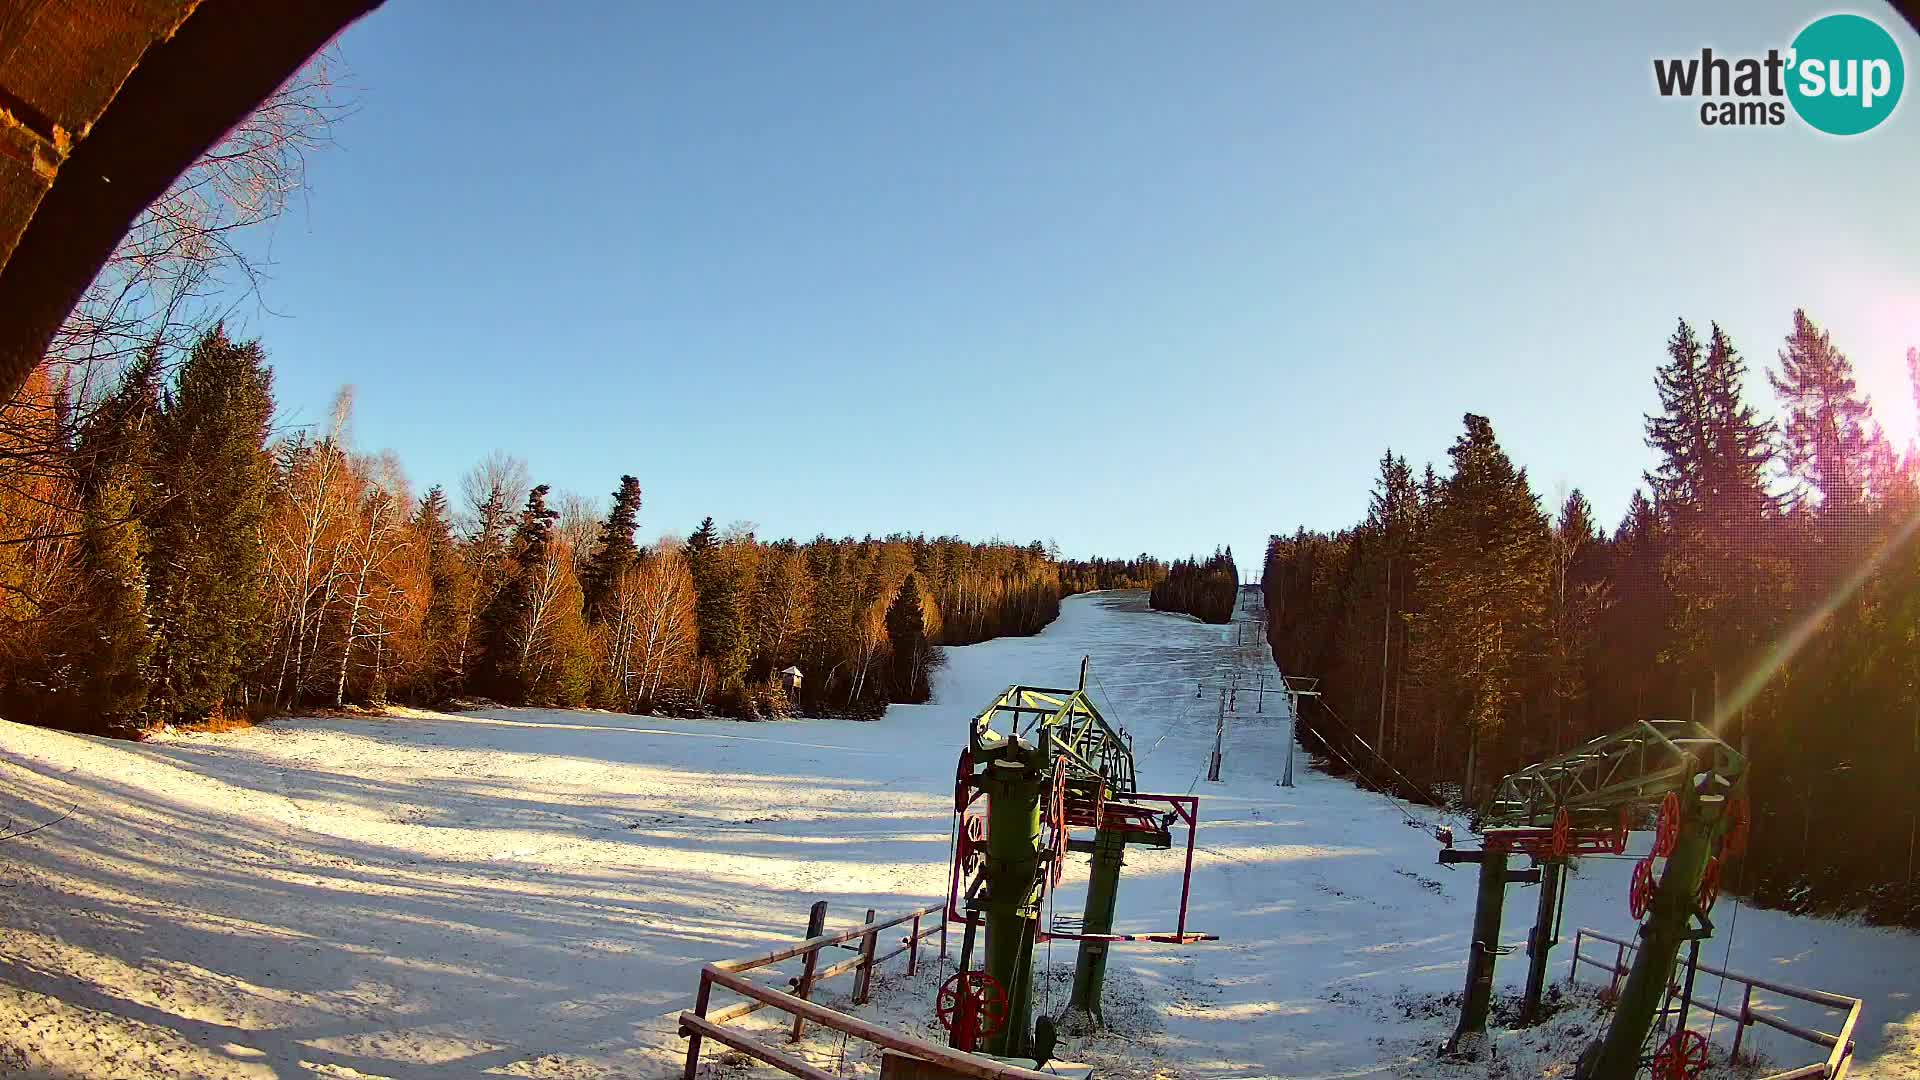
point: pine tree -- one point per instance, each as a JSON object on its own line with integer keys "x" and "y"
{"x": 503, "y": 628}
{"x": 447, "y": 603}
{"x": 912, "y": 652}
{"x": 1579, "y": 594}
{"x": 115, "y": 458}
{"x": 1484, "y": 569}
{"x": 1680, "y": 434}
{"x": 1711, "y": 488}
{"x": 204, "y": 573}
{"x": 491, "y": 489}
{"x": 615, "y": 551}
{"x": 1826, "y": 437}
{"x": 722, "y": 582}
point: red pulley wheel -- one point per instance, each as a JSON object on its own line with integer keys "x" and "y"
{"x": 1620, "y": 837}
{"x": 1667, "y": 832}
{"x": 1562, "y": 833}
{"x": 1709, "y": 887}
{"x": 1640, "y": 891}
{"x": 1682, "y": 1057}
{"x": 961, "y": 777}
{"x": 972, "y": 1004}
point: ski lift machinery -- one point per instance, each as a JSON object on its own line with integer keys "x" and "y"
{"x": 1585, "y": 802}
{"x": 1052, "y": 766}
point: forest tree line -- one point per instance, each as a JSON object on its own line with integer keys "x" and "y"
{"x": 1206, "y": 590}
{"x": 169, "y": 558}
{"x": 1091, "y": 575}
{"x": 1764, "y": 579}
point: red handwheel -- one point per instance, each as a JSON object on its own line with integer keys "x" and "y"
{"x": 1562, "y": 833}
{"x": 1620, "y": 837}
{"x": 1740, "y": 824}
{"x": 1709, "y": 887}
{"x": 1682, "y": 1057}
{"x": 1667, "y": 832}
{"x": 1640, "y": 891}
{"x": 972, "y": 1005}
{"x": 973, "y": 842}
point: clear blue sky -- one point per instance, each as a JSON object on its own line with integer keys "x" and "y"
{"x": 1130, "y": 276}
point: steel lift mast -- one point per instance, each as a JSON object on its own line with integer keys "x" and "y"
{"x": 1585, "y": 802}
{"x": 1045, "y": 762}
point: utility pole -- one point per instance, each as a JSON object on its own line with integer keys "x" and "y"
{"x": 1293, "y": 718}
{"x": 1219, "y": 731}
{"x": 1293, "y": 714}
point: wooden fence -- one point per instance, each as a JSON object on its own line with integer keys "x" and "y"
{"x": 1839, "y": 1046}
{"x": 698, "y": 1025}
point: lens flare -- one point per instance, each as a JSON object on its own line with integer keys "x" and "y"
{"x": 1802, "y": 631}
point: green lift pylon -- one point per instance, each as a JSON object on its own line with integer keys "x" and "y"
{"x": 1057, "y": 764}
{"x": 1585, "y": 802}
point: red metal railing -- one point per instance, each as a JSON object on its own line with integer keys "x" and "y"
{"x": 1839, "y": 1046}
{"x": 698, "y": 1025}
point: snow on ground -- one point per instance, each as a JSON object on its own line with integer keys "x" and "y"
{"x": 529, "y": 893}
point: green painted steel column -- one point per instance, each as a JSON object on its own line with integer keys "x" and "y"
{"x": 1013, "y": 839}
{"x": 1540, "y": 943}
{"x": 1103, "y": 889}
{"x": 1617, "y": 1057}
{"x": 1486, "y": 938}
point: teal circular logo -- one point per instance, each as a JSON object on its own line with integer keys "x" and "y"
{"x": 1846, "y": 74}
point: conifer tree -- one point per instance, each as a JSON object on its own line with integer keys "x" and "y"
{"x": 447, "y": 605}
{"x": 205, "y": 579}
{"x": 1379, "y": 583}
{"x": 491, "y": 489}
{"x": 503, "y": 626}
{"x": 1711, "y": 488}
{"x": 114, "y": 456}
{"x": 912, "y": 653}
{"x": 615, "y": 551}
{"x": 1484, "y": 570}
{"x": 1825, "y": 434}
{"x": 1206, "y": 590}
{"x": 722, "y": 583}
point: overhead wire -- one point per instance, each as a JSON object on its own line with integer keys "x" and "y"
{"x": 1404, "y": 806}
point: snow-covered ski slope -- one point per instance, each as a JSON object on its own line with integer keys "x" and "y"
{"x": 528, "y": 893}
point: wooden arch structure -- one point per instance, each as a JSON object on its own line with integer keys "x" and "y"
{"x": 103, "y": 103}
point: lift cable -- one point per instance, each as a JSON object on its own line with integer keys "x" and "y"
{"x": 1371, "y": 784}
{"x": 1405, "y": 806}
{"x": 1417, "y": 789}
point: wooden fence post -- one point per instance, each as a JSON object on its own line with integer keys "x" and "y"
{"x": 1619, "y": 961}
{"x": 816, "y": 925}
{"x": 867, "y": 942}
{"x": 700, "y": 1010}
{"x": 1746, "y": 1017}
{"x": 913, "y": 947}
